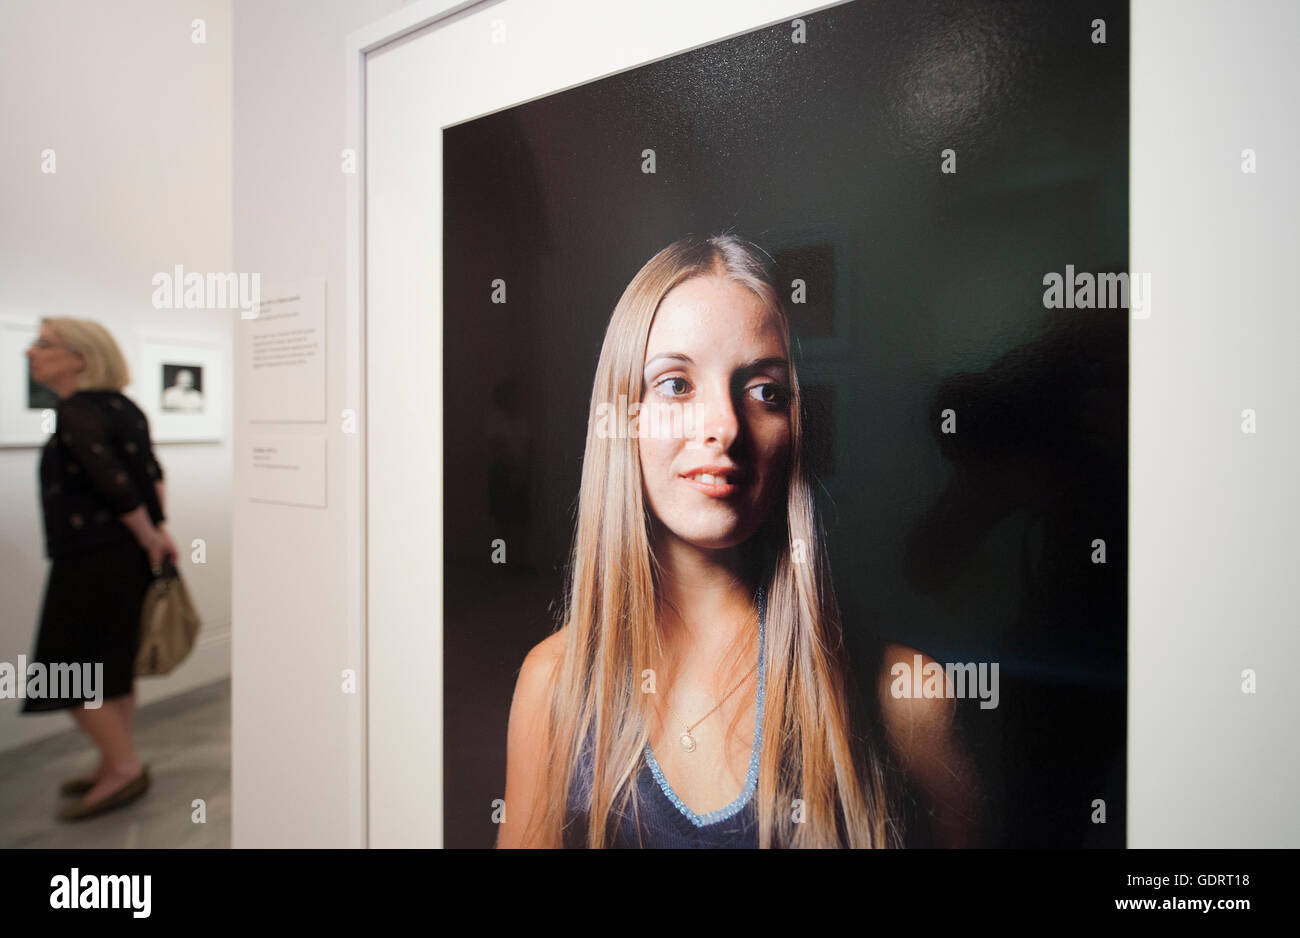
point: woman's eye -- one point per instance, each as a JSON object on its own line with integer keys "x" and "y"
{"x": 771, "y": 394}
{"x": 669, "y": 387}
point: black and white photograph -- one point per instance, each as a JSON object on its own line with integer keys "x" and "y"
{"x": 182, "y": 387}
{"x": 182, "y": 384}
{"x": 27, "y": 407}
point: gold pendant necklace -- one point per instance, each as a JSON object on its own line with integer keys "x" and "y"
{"x": 687, "y": 741}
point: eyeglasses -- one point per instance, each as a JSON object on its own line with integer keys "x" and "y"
{"x": 45, "y": 344}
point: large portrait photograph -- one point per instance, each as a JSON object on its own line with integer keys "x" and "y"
{"x": 785, "y": 392}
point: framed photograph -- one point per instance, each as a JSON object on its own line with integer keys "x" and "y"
{"x": 177, "y": 384}
{"x": 906, "y": 178}
{"x": 182, "y": 387}
{"x": 26, "y": 408}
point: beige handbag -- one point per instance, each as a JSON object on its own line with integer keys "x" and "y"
{"x": 168, "y": 624}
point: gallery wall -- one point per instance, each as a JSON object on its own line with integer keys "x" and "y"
{"x": 295, "y": 731}
{"x": 137, "y": 114}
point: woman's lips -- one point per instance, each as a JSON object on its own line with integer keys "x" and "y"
{"x": 711, "y": 485}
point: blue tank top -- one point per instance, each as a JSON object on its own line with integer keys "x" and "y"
{"x": 662, "y": 819}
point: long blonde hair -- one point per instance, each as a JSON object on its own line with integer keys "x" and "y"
{"x": 810, "y": 751}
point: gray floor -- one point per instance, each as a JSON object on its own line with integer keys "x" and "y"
{"x": 185, "y": 741}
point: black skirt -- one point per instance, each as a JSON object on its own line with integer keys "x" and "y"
{"x": 91, "y": 615}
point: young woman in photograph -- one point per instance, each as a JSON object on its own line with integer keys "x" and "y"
{"x": 698, "y": 693}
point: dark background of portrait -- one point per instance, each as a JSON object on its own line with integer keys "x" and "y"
{"x": 925, "y": 292}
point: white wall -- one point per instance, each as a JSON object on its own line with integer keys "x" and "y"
{"x": 1213, "y": 511}
{"x": 139, "y": 118}
{"x": 296, "y": 735}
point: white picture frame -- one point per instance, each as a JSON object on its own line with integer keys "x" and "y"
{"x": 21, "y": 424}
{"x": 179, "y": 384}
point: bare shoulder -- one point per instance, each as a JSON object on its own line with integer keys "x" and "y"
{"x": 527, "y": 745}
{"x": 538, "y": 669}
{"x": 547, "y": 653}
{"x": 910, "y": 717}
{"x": 919, "y": 711}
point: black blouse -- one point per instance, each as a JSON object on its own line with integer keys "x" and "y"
{"x": 98, "y": 465}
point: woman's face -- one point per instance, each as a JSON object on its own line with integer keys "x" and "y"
{"x": 50, "y": 361}
{"x": 716, "y": 350}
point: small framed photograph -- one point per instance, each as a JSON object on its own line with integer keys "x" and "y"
{"x": 27, "y": 409}
{"x": 182, "y": 387}
{"x": 177, "y": 385}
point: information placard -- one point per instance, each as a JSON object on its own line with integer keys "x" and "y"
{"x": 282, "y": 355}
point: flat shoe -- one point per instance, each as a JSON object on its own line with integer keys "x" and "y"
{"x": 78, "y": 786}
{"x": 123, "y": 796}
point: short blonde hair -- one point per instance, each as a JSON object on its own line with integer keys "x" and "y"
{"x": 106, "y": 368}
